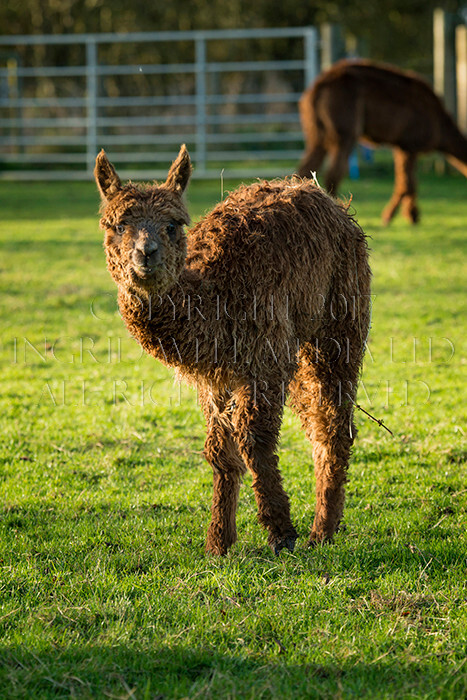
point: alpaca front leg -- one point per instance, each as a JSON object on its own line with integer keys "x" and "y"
{"x": 228, "y": 468}
{"x": 222, "y": 531}
{"x": 257, "y": 422}
{"x": 272, "y": 502}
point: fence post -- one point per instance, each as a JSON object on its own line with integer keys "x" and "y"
{"x": 200, "y": 45}
{"x": 461, "y": 62}
{"x": 444, "y": 69}
{"x": 311, "y": 55}
{"x": 332, "y": 45}
{"x": 91, "y": 104}
{"x": 12, "y": 90}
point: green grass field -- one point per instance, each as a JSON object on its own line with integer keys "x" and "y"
{"x": 105, "y": 589}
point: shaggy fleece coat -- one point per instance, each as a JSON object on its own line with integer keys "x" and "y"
{"x": 266, "y": 298}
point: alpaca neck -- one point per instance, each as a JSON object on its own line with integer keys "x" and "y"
{"x": 166, "y": 325}
{"x": 454, "y": 145}
{"x": 460, "y": 165}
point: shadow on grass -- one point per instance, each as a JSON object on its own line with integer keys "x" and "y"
{"x": 158, "y": 672}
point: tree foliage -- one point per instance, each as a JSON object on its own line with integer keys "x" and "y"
{"x": 397, "y": 31}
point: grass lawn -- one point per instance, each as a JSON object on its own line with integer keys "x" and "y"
{"x": 105, "y": 589}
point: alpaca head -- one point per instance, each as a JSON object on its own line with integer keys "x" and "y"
{"x": 144, "y": 242}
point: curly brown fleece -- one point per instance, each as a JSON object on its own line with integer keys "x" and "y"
{"x": 266, "y": 298}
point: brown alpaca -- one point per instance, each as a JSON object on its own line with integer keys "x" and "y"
{"x": 381, "y": 105}
{"x": 267, "y": 296}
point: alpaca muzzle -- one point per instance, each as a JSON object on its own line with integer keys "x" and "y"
{"x": 146, "y": 256}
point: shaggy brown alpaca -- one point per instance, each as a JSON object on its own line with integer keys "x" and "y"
{"x": 268, "y": 296}
{"x": 381, "y": 105}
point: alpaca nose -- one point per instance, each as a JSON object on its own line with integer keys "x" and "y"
{"x": 147, "y": 247}
{"x": 146, "y": 252}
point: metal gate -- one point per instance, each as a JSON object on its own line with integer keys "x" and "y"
{"x": 64, "y": 97}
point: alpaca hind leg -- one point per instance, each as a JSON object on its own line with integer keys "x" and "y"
{"x": 322, "y": 396}
{"x": 405, "y": 188}
{"x": 339, "y": 163}
{"x": 228, "y": 468}
{"x": 314, "y": 137}
{"x": 257, "y": 419}
{"x": 312, "y": 160}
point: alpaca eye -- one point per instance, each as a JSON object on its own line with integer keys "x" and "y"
{"x": 120, "y": 228}
{"x": 171, "y": 230}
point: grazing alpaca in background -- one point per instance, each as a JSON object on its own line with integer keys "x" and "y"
{"x": 268, "y": 296}
{"x": 381, "y": 105}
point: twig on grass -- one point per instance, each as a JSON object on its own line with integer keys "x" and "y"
{"x": 376, "y": 420}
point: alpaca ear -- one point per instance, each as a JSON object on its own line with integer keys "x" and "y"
{"x": 179, "y": 172}
{"x": 107, "y": 179}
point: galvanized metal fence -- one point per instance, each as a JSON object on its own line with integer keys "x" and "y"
{"x": 235, "y": 115}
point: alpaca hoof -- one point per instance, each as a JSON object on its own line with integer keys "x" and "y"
{"x": 286, "y": 541}
{"x": 386, "y": 219}
{"x": 316, "y": 539}
{"x": 219, "y": 540}
{"x": 217, "y": 549}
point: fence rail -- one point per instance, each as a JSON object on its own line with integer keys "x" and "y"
{"x": 236, "y": 115}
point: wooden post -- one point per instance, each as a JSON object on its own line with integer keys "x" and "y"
{"x": 461, "y": 64}
{"x": 91, "y": 103}
{"x": 444, "y": 64}
{"x": 200, "y": 50}
{"x": 311, "y": 55}
{"x": 12, "y": 87}
{"x": 332, "y": 45}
